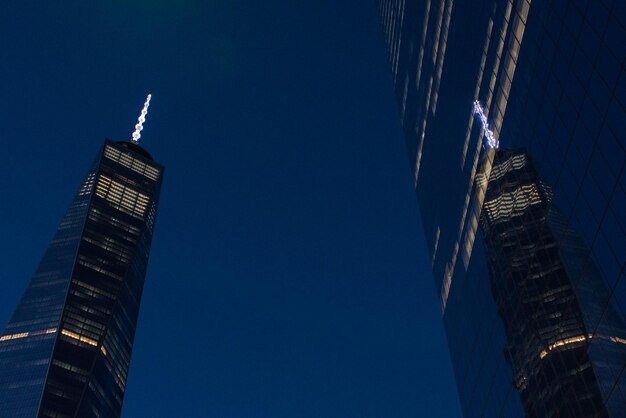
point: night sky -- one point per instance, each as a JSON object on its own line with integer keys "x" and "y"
{"x": 288, "y": 275}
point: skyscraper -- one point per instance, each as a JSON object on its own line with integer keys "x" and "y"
{"x": 67, "y": 347}
{"x": 549, "y": 77}
{"x": 550, "y": 297}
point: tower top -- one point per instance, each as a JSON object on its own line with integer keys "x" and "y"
{"x": 141, "y": 120}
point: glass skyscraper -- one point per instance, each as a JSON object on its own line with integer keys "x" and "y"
{"x": 550, "y": 297}
{"x": 67, "y": 347}
{"x": 550, "y": 77}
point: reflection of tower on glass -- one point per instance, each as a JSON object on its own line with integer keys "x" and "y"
{"x": 66, "y": 350}
{"x": 522, "y": 65}
{"x": 550, "y": 297}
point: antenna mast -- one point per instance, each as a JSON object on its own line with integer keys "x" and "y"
{"x": 492, "y": 142}
{"x": 141, "y": 120}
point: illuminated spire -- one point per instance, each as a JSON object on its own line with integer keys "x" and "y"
{"x": 492, "y": 142}
{"x": 141, "y": 120}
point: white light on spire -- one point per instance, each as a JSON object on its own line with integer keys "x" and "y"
{"x": 141, "y": 120}
{"x": 492, "y": 142}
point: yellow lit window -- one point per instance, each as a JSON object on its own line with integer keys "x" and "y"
{"x": 80, "y": 338}
{"x": 27, "y": 334}
{"x": 132, "y": 163}
{"x": 122, "y": 197}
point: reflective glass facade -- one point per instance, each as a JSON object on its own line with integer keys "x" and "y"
{"x": 66, "y": 350}
{"x": 550, "y": 76}
{"x": 550, "y": 297}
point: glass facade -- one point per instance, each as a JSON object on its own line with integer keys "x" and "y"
{"x": 66, "y": 350}
{"x": 550, "y": 297}
{"x": 550, "y": 76}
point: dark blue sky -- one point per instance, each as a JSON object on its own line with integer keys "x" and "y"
{"x": 288, "y": 274}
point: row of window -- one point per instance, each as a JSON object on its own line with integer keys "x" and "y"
{"x": 134, "y": 164}
{"x": 122, "y": 197}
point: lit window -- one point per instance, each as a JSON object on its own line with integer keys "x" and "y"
{"x": 561, "y": 343}
{"x": 78, "y": 337}
{"x": 122, "y": 197}
{"x": 27, "y": 334}
{"x": 127, "y": 161}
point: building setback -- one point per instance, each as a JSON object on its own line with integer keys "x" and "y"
{"x": 67, "y": 348}
{"x": 550, "y": 78}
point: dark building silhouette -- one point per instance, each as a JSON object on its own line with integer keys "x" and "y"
{"x": 549, "y": 77}
{"x": 550, "y": 296}
{"x": 67, "y": 348}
